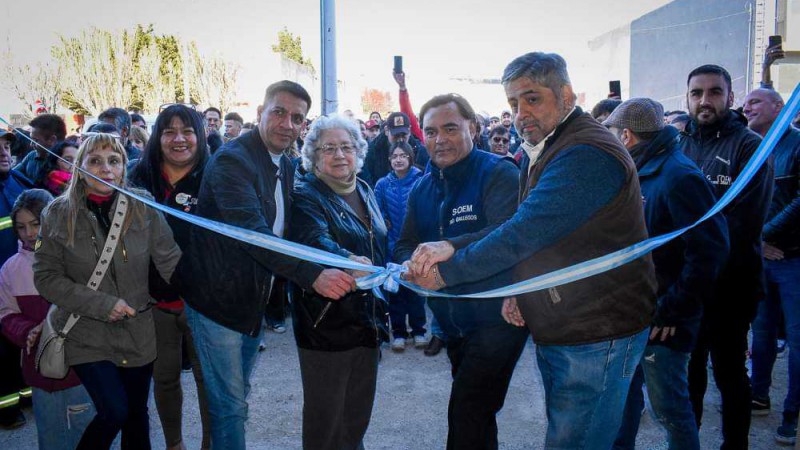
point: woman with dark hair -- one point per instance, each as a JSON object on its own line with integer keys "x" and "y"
{"x": 338, "y": 341}
{"x": 91, "y": 260}
{"x": 56, "y": 172}
{"x": 171, "y": 169}
{"x": 62, "y": 408}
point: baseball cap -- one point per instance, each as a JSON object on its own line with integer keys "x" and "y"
{"x": 640, "y": 115}
{"x": 8, "y": 135}
{"x": 371, "y": 123}
{"x": 398, "y": 123}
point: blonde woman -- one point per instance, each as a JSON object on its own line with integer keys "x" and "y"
{"x": 112, "y": 345}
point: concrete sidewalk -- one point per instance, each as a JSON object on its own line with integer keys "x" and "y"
{"x": 411, "y": 406}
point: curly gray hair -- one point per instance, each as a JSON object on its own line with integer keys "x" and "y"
{"x": 332, "y": 122}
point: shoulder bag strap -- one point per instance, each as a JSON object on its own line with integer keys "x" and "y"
{"x": 106, "y": 255}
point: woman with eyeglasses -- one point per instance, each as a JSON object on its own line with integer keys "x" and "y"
{"x": 171, "y": 169}
{"x": 339, "y": 341}
{"x": 92, "y": 259}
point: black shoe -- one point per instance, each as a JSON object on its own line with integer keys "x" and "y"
{"x": 434, "y": 346}
{"x": 787, "y": 432}
{"x": 11, "y": 419}
{"x": 760, "y": 406}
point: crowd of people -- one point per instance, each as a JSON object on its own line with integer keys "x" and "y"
{"x": 466, "y": 203}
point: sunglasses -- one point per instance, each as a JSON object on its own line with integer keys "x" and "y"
{"x": 498, "y": 140}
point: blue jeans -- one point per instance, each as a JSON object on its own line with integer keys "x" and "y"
{"x": 665, "y": 371}
{"x": 61, "y": 417}
{"x": 783, "y": 295}
{"x": 585, "y": 388}
{"x": 227, "y": 359}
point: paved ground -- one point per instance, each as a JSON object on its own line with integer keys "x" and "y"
{"x": 410, "y": 408}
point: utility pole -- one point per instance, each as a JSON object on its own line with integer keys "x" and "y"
{"x": 330, "y": 99}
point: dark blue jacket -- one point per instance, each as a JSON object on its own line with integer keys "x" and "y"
{"x": 392, "y": 195}
{"x": 721, "y": 151}
{"x": 675, "y": 195}
{"x": 461, "y": 204}
{"x": 10, "y": 188}
{"x": 782, "y": 228}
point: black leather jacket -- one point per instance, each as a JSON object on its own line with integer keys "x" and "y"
{"x": 783, "y": 222}
{"x": 322, "y": 219}
{"x": 226, "y": 280}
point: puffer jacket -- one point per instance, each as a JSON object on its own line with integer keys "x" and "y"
{"x": 783, "y": 222}
{"x": 377, "y": 165}
{"x": 21, "y": 310}
{"x": 322, "y": 219}
{"x": 392, "y": 195}
{"x": 721, "y": 151}
{"x": 61, "y": 272}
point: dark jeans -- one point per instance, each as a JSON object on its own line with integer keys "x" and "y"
{"x": 783, "y": 295}
{"x": 665, "y": 372}
{"x": 120, "y": 398}
{"x": 276, "y": 306}
{"x": 338, "y": 393}
{"x": 171, "y": 331}
{"x": 482, "y": 364}
{"x": 406, "y": 303}
{"x": 723, "y": 335}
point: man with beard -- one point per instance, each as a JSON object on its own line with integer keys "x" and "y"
{"x": 718, "y": 141}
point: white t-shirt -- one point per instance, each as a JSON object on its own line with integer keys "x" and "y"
{"x": 277, "y": 227}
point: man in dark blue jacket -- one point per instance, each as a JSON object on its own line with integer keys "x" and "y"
{"x": 675, "y": 195}
{"x": 466, "y": 195}
{"x": 781, "y": 266}
{"x": 718, "y": 141}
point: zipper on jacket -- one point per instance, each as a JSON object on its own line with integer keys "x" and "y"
{"x": 442, "y": 210}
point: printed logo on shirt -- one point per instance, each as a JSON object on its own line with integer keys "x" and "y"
{"x": 720, "y": 180}
{"x": 463, "y": 213}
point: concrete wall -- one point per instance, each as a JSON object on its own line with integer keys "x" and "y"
{"x": 669, "y": 42}
{"x": 610, "y": 59}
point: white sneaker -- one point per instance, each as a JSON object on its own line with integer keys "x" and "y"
{"x": 399, "y": 344}
{"x": 420, "y": 341}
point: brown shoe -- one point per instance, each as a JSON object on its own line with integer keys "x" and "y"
{"x": 434, "y": 346}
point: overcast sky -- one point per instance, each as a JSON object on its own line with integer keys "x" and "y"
{"x": 439, "y": 39}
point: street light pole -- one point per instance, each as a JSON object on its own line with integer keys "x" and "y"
{"x": 330, "y": 100}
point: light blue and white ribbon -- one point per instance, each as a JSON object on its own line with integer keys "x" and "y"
{"x": 389, "y": 277}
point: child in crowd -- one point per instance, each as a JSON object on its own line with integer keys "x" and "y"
{"x": 62, "y": 408}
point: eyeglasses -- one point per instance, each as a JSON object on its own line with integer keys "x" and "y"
{"x": 400, "y": 156}
{"x": 167, "y": 105}
{"x": 330, "y": 149}
{"x": 498, "y": 140}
